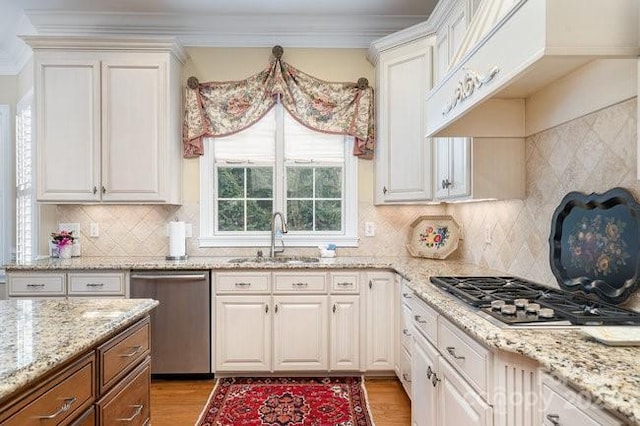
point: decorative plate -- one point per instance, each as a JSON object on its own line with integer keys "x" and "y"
{"x": 434, "y": 237}
{"x": 595, "y": 244}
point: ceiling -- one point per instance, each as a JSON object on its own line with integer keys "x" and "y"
{"x": 291, "y": 23}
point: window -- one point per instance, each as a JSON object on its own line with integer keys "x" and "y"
{"x": 278, "y": 165}
{"x": 5, "y": 178}
{"x": 26, "y": 211}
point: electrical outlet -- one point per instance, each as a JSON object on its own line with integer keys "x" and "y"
{"x": 369, "y": 229}
{"x": 94, "y": 230}
{"x": 488, "y": 231}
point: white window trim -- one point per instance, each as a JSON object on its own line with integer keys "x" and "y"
{"x": 346, "y": 238}
{"x": 5, "y": 189}
{"x": 28, "y": 100}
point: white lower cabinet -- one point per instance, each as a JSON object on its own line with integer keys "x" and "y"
{"x": 380, "y": 334}
{"x": 344, "y": 335}
{"x": 300, "y": 333}
{"x": 442, "y": 362}
{"x": 296, "y": 324}
{"x": 423, "y": 365}
{"x": 243, "y": 333}
{"x": 458, "y": 403}
{"x": 562, "y": 406}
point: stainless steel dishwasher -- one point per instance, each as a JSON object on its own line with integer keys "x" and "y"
{"x": 181, "y": 324}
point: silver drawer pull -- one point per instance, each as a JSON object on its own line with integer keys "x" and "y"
{"x": 406, "y": 378}
{"x": 554, "y": 419}
{"x": 136, "y": 350}
{"x": 243, "y": 284}
{"x": 66, "y": 405}
{"x": 452, "y": 352}
{"x": 407, "y": 295}
{"x": 136, "y": 413}
{"x": 35, "y": 285}
{"x": 300, "y": 284}
{"x": 406, "y": 332}
{"x": 419, "y": 319}
{"x": 345, "y": 284}
{"x": 95, "y": 284}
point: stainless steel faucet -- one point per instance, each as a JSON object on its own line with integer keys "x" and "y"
{"x": 283, "y": 227}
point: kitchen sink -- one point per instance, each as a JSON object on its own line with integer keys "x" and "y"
{"x": 288, "y": 260}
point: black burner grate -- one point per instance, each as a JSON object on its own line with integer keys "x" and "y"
{"x": 575, "y": 307}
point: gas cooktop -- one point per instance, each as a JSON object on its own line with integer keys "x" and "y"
{"x": 516, "y": 301}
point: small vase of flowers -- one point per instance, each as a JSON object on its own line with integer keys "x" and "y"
{"x": 63, "y": 241}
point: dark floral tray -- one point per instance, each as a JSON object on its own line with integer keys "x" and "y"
{"x": 595, "y": 244}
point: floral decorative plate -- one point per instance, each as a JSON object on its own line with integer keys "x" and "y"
{"x": 595, "y": 244}
{"x": 434, "y": 237}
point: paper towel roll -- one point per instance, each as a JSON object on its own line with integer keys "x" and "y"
{"x": 177, "y": 239}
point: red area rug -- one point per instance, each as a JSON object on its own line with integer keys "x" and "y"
{"x": 278, "y": 401}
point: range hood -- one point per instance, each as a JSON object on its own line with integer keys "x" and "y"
{"x": 515, "y": 48}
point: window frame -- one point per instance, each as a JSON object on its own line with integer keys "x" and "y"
{"x": 27, "y": 101}
{"x": 208, "y": 183}
{"x": 5, "y": 188}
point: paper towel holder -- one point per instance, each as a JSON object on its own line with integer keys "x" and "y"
{"x": 176, "y": 257}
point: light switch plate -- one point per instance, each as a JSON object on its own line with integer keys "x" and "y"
{"x": 369, "y": 229}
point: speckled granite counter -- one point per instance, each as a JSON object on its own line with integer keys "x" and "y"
{"x": 610, "y": 375}
{"x": 38, "y": 336}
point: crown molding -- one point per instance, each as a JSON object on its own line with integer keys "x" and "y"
{"x": 96, "y": 42}
{"x": 294, "y": 30}
{"x": 396, "y": 39}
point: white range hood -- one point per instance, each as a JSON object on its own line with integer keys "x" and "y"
{"x": 515, "y": 48}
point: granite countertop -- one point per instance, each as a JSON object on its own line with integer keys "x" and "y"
{"x": 39, "y": 335}
{"x": 609, "y": 375}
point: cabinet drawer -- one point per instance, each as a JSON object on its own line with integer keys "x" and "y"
{"x": 406, "y": 327}
{"x": 243, "y": 282}
{"x": 300, "y": 282}
{"x": 96, "y": 284}
{"x": 119, "y": 354}
{"x": 561, "y": 405}
{"x": 345, "y": 282}
{"x": 128, "y": 403}
{"x": 63, "y": 399}
{"x": 88, "y": 418}
{"x": 36, "y": 284}
{"x": 424, "y": 320}
{"x": 468, "y": 357}
{"x": 405, "y": 371}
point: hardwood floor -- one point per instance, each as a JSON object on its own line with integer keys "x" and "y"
{"x": 179, "y": 402}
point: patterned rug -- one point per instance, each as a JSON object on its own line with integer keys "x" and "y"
{"x": 279, "y": 401}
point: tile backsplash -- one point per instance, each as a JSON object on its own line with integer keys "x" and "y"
{"x": 593, "y": 153}
{"x": 140, "y": 230}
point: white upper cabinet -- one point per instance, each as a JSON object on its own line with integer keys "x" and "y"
{"x": 107, "y": 120}
{"x": 403, "y": 154}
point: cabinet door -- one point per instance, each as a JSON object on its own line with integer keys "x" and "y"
{"x": 380, "y": 321}
{"x": 442, "y": 166}
{"x": 345, "y": 333}
{"x": 134, "y": 104}
{"x": 423, "y": 368}
{"x": 441, "y": 53}
{"x": 404, "y": 154}
{"x": 458, "y": 403}
{"x": 460, "y": 174}
{"x": 243, "y": 333}
{"x": 301, "y": 331}
{"x": 67, "y": 129}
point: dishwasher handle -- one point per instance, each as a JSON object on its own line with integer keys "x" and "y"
{"x": 202, "y": 276}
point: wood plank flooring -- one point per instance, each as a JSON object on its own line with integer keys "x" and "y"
{"x": 179, "y": 402}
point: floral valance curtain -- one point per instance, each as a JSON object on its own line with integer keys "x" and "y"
{"x": 223, "y": 108}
